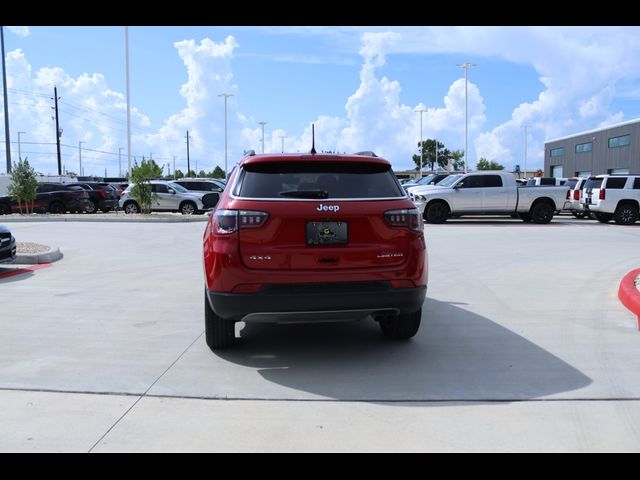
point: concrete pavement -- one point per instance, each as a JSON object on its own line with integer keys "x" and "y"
{"x": 524, "y": 346}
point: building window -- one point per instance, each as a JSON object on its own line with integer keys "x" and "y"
{"x": 583, "y": 174}
{"x": 621, "y": 141}
{"x": 557, "y": 152}
{"x": 584, "y": 147}
{"x": 618, "y": 171}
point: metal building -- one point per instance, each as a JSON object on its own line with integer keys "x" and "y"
{"x": 611, "y": 150}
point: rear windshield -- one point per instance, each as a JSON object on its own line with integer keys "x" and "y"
{"x": 571, "y": 184}
{"x": 594, "y": 183}
{"x": 316, "y": 180}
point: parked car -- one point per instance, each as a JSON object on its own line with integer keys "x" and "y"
{"x": 613, "y": 197}
{"x": 572, "y": 203}
{"x": 170, "y": 197}
{"x": 490, "y": 193}
{"x": 7, "y": 246}
{"x": 200, "y": 185}
{"x": 313, "y": 238}
{"x": 426, "y": 181}
{"x": 546, "y": 182}
{"x": 102, "y": 196}
{"x": 52, "y": 198}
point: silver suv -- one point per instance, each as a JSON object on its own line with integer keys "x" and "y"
{"x": 169, "y": 197}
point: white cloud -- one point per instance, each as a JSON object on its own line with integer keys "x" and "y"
{"x": 21, "y": 31}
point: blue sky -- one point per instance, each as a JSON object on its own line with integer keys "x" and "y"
{"x": 358, "y": 85}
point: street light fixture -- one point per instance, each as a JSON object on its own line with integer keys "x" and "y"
{"x": 226, "y": 96}
{"x": 263, "y": 124}
{"x": 19, "y": 151}
{"x": 466, "y": 66}
{"x": 421, "y": 111}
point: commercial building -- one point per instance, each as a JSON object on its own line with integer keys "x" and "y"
{"x": 611, "y": 150}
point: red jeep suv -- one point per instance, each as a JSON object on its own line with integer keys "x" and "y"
{"x": 313, "y": 237}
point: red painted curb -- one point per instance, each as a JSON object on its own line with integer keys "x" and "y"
{"x": 629, "y": 294}
{"x": 20, "y": 271}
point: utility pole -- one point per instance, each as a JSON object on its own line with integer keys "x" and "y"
{"x": 120, "y": 161}
{"x": 188, "y": 160}
{"x": 7, "y": 138}
{"x": 58, "y": 131}
{"x": 126, "y": 41}
{"x": 526, "y": 127}
{"x": 282, "y": 137}
{"x": 174, "y": 167}
{"x": 263, "y": 124}
{"x": 421, "y": 111}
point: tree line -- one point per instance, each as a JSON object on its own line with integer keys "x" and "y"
{"x": 429, "y": 158}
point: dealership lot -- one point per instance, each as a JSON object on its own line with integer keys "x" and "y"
{"x": 524, "y": 346}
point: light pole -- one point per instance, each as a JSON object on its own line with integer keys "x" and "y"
{"x": 126, "y": 40}
{"x": 421, "y": 111}
{"x": 80, "y": 157}
{"x": 19, "y": 151}
{"x": 466, "y": 66}
{"x": 120, "y": 161}
{"x": 7, "y": 138}
{"x": 226, "y": 96}
{"x": 282, "y": 137}
{"x": 263, "y": 124}
{"x": 526, "y": 127}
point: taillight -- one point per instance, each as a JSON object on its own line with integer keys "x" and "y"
{"x": 568, "y": 194}
{"x": 576, "y": 194}
{"x": 102, "y": 193}
{"x": 409, "y": 218}
{"x": 227, "y": 222}
{"x": 603, "y": 194}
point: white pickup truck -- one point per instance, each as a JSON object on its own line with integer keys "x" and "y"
{"x": 489, "y": 193}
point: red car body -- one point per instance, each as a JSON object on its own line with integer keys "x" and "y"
{"x": 313, "y": 237}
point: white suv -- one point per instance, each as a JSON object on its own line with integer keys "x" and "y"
{"x": 572, "y": 204}
{"x": 169, "y": 197}
{"x": 613, "y": 198}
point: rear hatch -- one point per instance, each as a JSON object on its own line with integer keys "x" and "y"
{"x": 592, "y": 191}
{"x": 321, "y": 215}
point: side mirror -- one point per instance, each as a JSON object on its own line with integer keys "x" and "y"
{"x": 171, "y": 191}
{"x": 458, "y": 185}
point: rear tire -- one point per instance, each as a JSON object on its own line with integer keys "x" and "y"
{"x": 626, "y": 214}
{"x": 188, "y": 208}
{"x": 437, "y": 212}
{"x": 401, "y": 327}
{"x": 5, "y": 209}
{"x": 57, "y": 208}
{"x": 91, "y": 207}
{"x": 525, "y": 217}
{"x": 219, "y": 332}
{"x": 131, "y": 207}
{"x": 603, "y": 217}
{"x": 542, "y": 213}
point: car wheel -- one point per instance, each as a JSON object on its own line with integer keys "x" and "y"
{"x": 219, "y": 332}
{"x": 188, "y": 208}
{"x": 57, "y": 208}
{"x": 603, "y": 217}
{"x": 525, "y": 217}
{"x": 626, "y": 214}
{"x": 542, "y": 213}
{"x": 131, "y": 207}
{"x": 401, "y": 327}
{"x": 5, "y": 209}
{"x": 91, "y": 207}
{"x": 437, "y": 212}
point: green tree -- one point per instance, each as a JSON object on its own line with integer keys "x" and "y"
{"x": 191, "y": 174}
{"x": 457, "y": 161}
{"x": 24, "y": 184}
{"x": 141, "y": 175}
{"x": 218, "y": 173}
{"x": 484, "y": 164}
{"x": 202, "y": 174}
{"x": 429, "y": 154}
{"x": 178, "y": 174}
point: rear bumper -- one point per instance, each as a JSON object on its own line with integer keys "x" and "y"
{"x": 313, "y": 303}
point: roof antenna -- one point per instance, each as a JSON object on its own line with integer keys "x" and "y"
{"x": 313, "y": 139}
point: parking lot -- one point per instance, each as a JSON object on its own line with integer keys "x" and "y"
{"x": 524, "y": 345}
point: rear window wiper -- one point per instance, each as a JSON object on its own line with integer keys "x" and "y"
{"x": 305, "y": 194}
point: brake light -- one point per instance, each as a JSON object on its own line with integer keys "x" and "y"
{"x": 227, "y": 222}
{"x": 409, "y": 218}
{"x": 603, "y": 194}
{"x": 568, "y": 194}
{"x": 576, "y": 194}
{"x": 102, "y": 193}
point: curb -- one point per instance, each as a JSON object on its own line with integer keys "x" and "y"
{"x": 97, "y": 219}
{"x": 50, "y": 256}
{"x": 629, "y": 295}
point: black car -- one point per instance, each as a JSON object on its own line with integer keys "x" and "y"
{"x": 7, "y": 246}
{"x": 102, "y": 196}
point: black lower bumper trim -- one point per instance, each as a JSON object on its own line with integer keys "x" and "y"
{"x": 278, "y": 300}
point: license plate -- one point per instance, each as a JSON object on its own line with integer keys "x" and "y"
{"x": 588, "y": 201}
{"x": 327, "y": 233}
